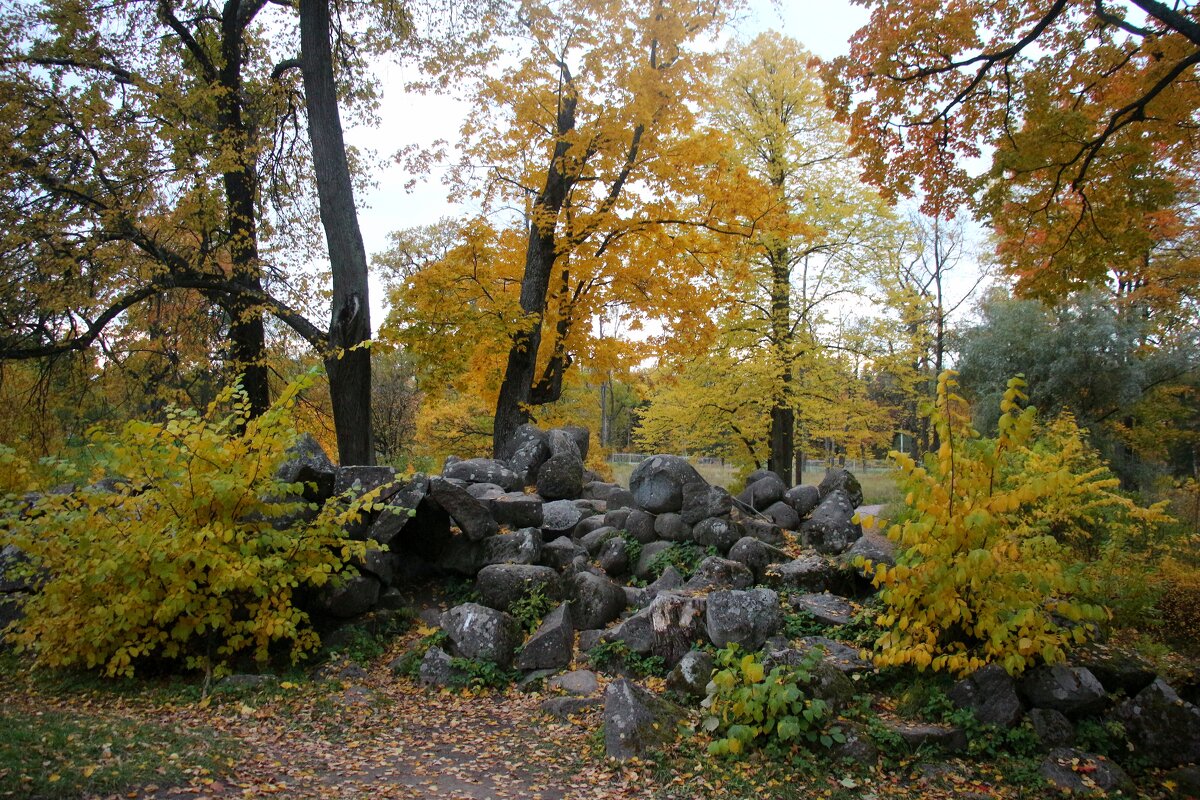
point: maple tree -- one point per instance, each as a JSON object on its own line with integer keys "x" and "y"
{"x": 579, "y": 149}
{"x": 1086, "y": 110}
{"x": 808, "y": 232}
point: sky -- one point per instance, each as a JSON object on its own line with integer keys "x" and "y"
{"x": 823, "y": 26}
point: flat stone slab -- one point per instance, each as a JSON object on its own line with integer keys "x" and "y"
{"x": 829, "y": 609}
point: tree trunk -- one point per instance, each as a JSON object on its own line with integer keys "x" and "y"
{"x": 512, "y": 406}
{"x": 348, "y": 364}
{"x": 781, "y": 445}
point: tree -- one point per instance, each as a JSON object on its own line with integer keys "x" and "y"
{"x": 1087, "y": 109}
{"x": 810, "y": 228}
{"x": 1089, "y": 358}
{"x": 584, "y": 133}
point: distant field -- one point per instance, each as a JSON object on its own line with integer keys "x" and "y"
{"x": 879, "y": 486}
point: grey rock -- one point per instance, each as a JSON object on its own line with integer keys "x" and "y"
{"x": 783, "y": 515}
{"x": 756, "y": 555}
{"x": 636, "y": 721}
{"x": 858, "y": 747}
{"x": 991, "y": 694}
{"x": 471, "y": 516}
{"x": 437, "y": 670}
{"x": 501, "y": 585}
{"x": 832, "y": 685}
{"x": 803, "y": 499}
{"x": 616, "y": 518}
{"x": 559, "y": 518}
{"x": 552, "y": 645}
{"x": 640, "y": 525}
{"x": 1075, "y": 772}
{"x": 1072, "y": 690}
{"x": 357, "y": 481}
{"x": 307, "y": 463}
{"x": 408, "y": 507}
{"x": 579, "y": 682}
{"x": 691, "y": 675}
{"x": 561, "y": 477}
{"x": 517, "y": 509}
{"x": 526, "y": 451}
{"x": 1052, "y": 727}
{"x": 743, "y": 617}
{"x": 522, "y": 546}
{"x": 1161, "y": 726}
{"x": 874, "y": 547}
{"x": 351, "y": 598}
{"x": 589, "y": 639}
{"x": 380, "y": 563}
{"x": 701, "y": 501}
{"x": 602, "y": 490}
{"x": 580, "y": 435}
{"x": 590, "y": 522}
{"x": 561, "y": 552}
{"x": 763, "y": 530}
{"x": 670, "y": 527}
{"x": 650, "y": 551}
{"x": 595, "y": 539}
{"x": 1117, "y": 670}
{"x": 762, "y": 492}
{"x": 634, "y": 632}
{"x": 715, "y": 572}
{"x": 842, "y": 479}
{"x": 480, "y": 632}
{"x": 846, "y": 658}
{"x": 809, "y": 573}
{"x": 484, "y": 492}
{"x": 829, "y": 609}
{"x": 614, "y": 557}
{"x": 670, "y": 581}
{"x": 719, "y": 532}
{"x": 484, "y": 470}
{"x": 597, "y": 601}
{"x": 829, "y": 528}
{"x": 462, "y": 556}
{"x": 657, "y": 483}
{"x": 564, "y": 708}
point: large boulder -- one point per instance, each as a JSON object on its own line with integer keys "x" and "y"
{"x": 836, "y": 479}
{"x": 613, "y": 557}
{"x": 1118, "y": 670}
{"x": 657, "y": 483}
{"x": 702, "y": 501}
{"x": 830, "y": 528}
{"x": 826, "y": 608}
{"x": 484, "y": 470}
{"x": 525, "y": 451}
{"x": 425, "y": 524}
{"x": 715, "y": 572}
{"x": 552, "y": 645}
{"x": 579, "y": 436}
{"x": 636, "y": 721}
{"x": 351, "y": 597}
{"x": 561, "y": 476}
{"x": 808, "y": 573}
{"x": 501, "y": 585}
{"x": 1074, "y": 772}
{"x": 803, "y": 499}
{"x": 1072, "y": 690}
{"x": 764, "y": 491}
{"x": 783, "y": 515}
{"x": 357, "y": 481}
{"x": 991, "y": 694}
{"x": 561, "y": 552}
{"x": 643, "y": 569}
{"x": 719, "y": 532}
{"x": 483, "y": 633}
{"x": 559, "y": 518}
{"x": 691, "y": 675}
{"x": 517, "y": 509}
{"x": 1161, "y": 726}
{"x": 640, "y": 525}
{"x": 764, "y": 530}
{"x": 747, "y": 618}
{"x": 597, "y": 600}
{"x": 471, "y": 516}
{"x": 670, "y": 527}
{"x": 873, "y": 547}
{"x": 522, "y": 546}
{"x": 307, "y": 463}
{"x": 756, "y": 555}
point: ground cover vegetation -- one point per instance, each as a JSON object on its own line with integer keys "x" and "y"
{"x": 684, "y": 239}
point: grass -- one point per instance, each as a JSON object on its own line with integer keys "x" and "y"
{"x": 56, "y": 753}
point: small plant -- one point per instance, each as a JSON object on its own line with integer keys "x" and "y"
{"x": 798, "y": 624}
{"x": 748, "y": 706}
{"x": 531, "y": 607}
{"x": 477, "y": 674}
{"x": 683, "y": 556}
{"x": 615, "y": 656}
{"x": 1100, "y": 737}
{"x": 409, "y": 664}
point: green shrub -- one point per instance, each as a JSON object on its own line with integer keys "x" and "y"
{"x": 615, "y": 656}
{"x": 531, "y": 607}
{"x": 683, "y": 556}
{"x": 747, "y": 706}
{"x": 188, "y": 560}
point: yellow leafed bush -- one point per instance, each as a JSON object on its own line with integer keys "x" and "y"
{"x": 986, "y": 569}
{"x": 188, "y": 559}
